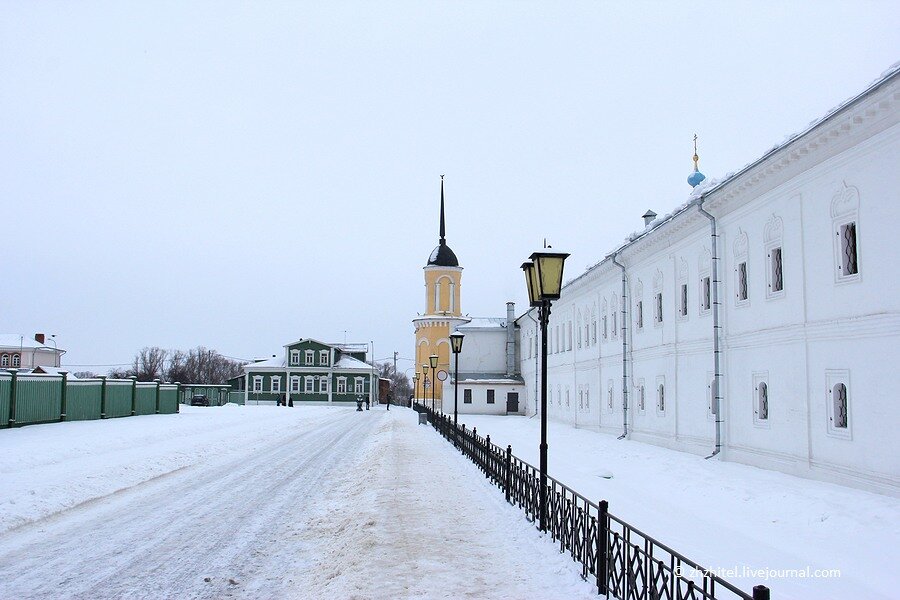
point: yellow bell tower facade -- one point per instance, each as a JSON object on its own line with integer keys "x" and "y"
{"x": 442, "y": 316}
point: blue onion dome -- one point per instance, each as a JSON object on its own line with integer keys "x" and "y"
{"x": 695, "y": 178}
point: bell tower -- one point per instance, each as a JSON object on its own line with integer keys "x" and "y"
{"x": 443, "y": 313}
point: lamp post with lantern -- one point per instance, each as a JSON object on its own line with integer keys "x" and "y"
{"x": 425, "y": 383}
{"x": 543, "y": 276}
{"x": 415, "y": 379}
{"x": 456, "y": 342}
{"x": 433, "y": 359}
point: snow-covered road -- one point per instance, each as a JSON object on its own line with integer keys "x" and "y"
{"x": 261, "y": 502}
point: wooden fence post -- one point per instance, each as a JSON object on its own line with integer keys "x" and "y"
{"x": 11, "y": 422}
{"x": 103, "y": 396}
{"x": 62, "y": 395}
{"x": 133, "y": 395}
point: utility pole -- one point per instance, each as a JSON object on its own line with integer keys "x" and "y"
{"x": 395, "y": 361}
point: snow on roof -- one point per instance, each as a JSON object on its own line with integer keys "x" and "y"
{"x": 348, "y": 362}
{"x": 17, "y": 340}
{"x": 269, "y": 362}
{"x": 42, "y": 370}
{"x": 478, "y": 322}
{"x": 710, "y": 184}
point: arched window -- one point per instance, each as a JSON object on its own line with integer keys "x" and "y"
{"x": 839, "y": 401}
{"x": 16, "y": 360}
{"x": 4, "y": 360}
{"x": 762, "y": 401}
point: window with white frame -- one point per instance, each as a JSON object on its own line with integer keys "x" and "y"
{"x": 659, "y": 308}
{"x": 683, "y": 302}
{"x": 295, "y": 358}
{"x": 310, "y": 356}
{"x": 838, "y": 398}
{"x": 295, "y": 383}
{"x": 275, "y": 384}
{"x": 257, "y": 383}
{"x": 467, "y": 396}
{"x": 773, "y": 235}
{"x": 358, "y": 385}
{"x": 845, "y": 217}
{"x": 742, "y": 292}
{"x": 4, "y": 360}
{"x": 16, "y": 360}
{"x": 762, "y": 401}
{"x": 660, "y": 395}
{"x": 323, "y": 357}
{"x": 705, "y": 294}
{"x": 309, "y": 384}
{"x": 342, "y": 385}
{"x": 323, "y": 385}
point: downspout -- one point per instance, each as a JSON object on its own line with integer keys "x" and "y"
{"x": 717, "y": 372}
{"x": 537, "y": 364}
{"x": 615, "y": 261}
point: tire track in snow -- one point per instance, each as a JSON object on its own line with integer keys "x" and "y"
{"x": 161, "y": 538}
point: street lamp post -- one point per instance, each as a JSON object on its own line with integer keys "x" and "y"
{"x": 433, "y": 359}
{"x": 456, "y": 341}
{"x": 415, "y": 379}
{"x": 425, "y": 383}
{"x": 543, "y": 275}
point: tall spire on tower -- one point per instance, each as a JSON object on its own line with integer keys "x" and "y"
{"x": 696, "y": 177}
{"x": 443, "y": 240}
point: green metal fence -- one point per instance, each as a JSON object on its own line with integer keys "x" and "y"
{"x": 29, "y": 399}
{"x": 216, "y": 394}
{"x": 236, "y": 397}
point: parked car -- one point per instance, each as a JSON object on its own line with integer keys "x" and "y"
{"x": 199, "y": 400}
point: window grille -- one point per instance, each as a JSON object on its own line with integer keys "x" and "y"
{"x": 580, "y": 399}
{"x": 839, "y": 398}
{"x": 707, "y": 293}
{"x": 777, "y": 271}
{"x": 567, "y": 398}
{"x": 467, "y": 396}
{"x": 661, "y": 398}
{"x": 609, "y": 398}
{"x": 848, "y": 249}
{"x": 659, "y": 307}
{"x": 605, "y": 334}
{"x": 742, "y": 281}
{"x": 762, "y": 393}
{"x": 640, "y": 314}
{"x": 641, "y": 398}
{"x": 684, "y": 304}
{"x": 587, "y": 399}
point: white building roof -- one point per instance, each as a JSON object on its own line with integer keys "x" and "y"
{"x": 485, "y": 322}
{"x": 17, "y": 340}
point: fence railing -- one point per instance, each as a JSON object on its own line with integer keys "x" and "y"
{"x": 623, "y": 561}
{"x": 27, "y": 399}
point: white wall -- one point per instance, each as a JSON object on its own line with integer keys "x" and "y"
{"x": 820, "y": 328}
{"x": 479, "y": 405}
{"x": 484, "y": 350}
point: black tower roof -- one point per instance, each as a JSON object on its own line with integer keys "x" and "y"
{"x": 442, "y": 256}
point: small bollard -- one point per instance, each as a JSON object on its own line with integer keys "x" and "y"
{"x": 423, "y": 419}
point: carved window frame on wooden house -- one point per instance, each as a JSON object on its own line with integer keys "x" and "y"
{"x": 295, "y": 358}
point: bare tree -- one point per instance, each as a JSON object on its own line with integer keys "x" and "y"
{"x": 201, "y": 365}
{"x": 84, "y": 374}
{"x": 400, "y": 387}
{"x": 149, "y": 364}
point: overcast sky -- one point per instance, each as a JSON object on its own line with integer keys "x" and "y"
{"x": 241, "y": 175}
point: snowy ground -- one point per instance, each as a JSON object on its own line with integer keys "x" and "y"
{"x": 261, "y": 502}
{"x": 725, "y": 515}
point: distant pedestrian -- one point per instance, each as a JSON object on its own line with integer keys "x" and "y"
{"x": 291, "y": 402}
{"x": 283, "y": 401}
{"x": 389, "y": 402}
{"x": 367, "y": 403}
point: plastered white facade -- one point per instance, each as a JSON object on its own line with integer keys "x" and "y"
{"x": 824, "y": 329}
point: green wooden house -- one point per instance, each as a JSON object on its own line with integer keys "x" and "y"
{"x": 311, "y": 371}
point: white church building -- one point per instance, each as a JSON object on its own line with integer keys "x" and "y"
{"x": 758, "y": 322}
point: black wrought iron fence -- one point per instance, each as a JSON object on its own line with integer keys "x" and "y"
{"x": 624, "y": 562}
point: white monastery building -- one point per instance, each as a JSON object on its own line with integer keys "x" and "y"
{"x": 759, "y": 321}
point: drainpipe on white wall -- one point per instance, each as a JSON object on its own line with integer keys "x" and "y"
{"x": 717, "y": 373}
{"x": 537, "y": 363}
{"x": 615, "y": 261}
